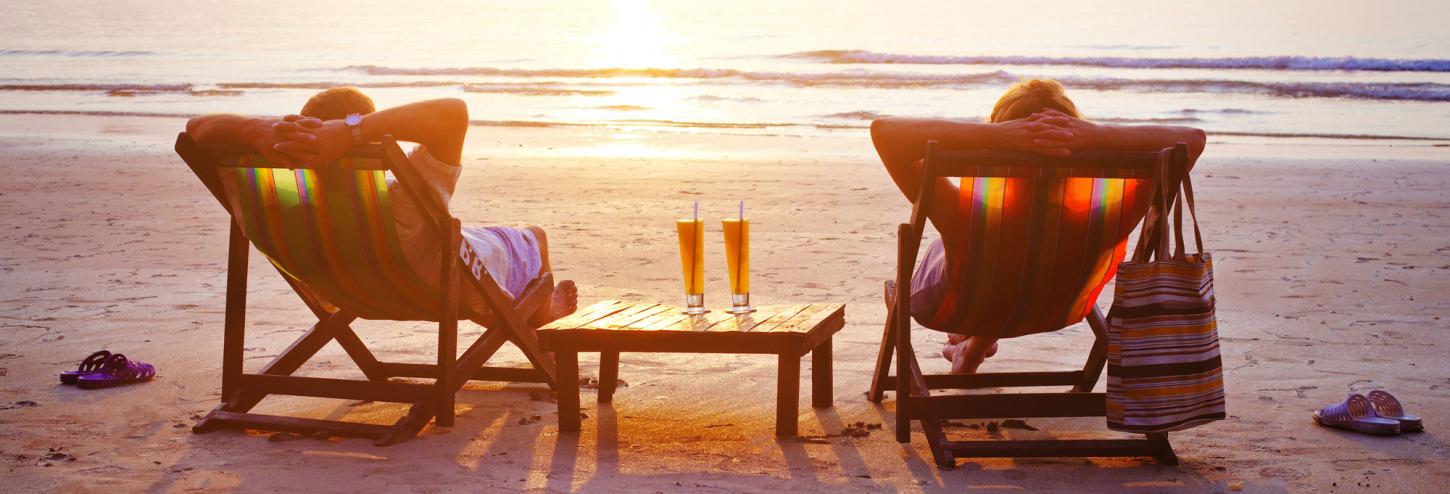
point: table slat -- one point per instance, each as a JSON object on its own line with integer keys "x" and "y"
{"x": 816, "y": 319}
{"x": 795, "y": 322}
{"x": 606, "y": 321}
{"x": 699, "y": 323}
{"x": 742, "y": 323}
{"x": 778, "y": 318}
{"x": 661, "y": 321}
{"x": 588, "y": 314}
{"x": 626, "y": 321}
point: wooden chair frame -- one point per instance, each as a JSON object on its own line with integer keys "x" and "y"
{"x": 242, "y": 391}
{"x": 919, "y": 404}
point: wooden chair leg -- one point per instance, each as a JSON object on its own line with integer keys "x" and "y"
{"x": 883, "y": 354}
{"x": 903, "y": 384}
{"x": 907, "y": 241}
{"x": 608, "y": 375}
{"x": 234, "y": 328}
{"x": 931, "y": 427}
{"x": 447, "y": 371}
{"x": 448, "y": 328}
{"x": 1098, "y": 356}
{"x": 1164, "y": 450}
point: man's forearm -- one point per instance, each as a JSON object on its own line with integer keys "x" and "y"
{"x": 906, "y": 138}
{"x": 226, "y": 128}
{"x": 1151, "y": 138}
{"x": 439, "y": 125}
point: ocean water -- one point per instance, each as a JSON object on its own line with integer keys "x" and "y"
{"x": 1291, "y": 67}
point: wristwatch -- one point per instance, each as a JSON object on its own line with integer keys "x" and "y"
{"x": 354, "y": 124}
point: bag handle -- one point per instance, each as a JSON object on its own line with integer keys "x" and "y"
{"x": 1181, "y": 152}
{"x": 1153, "y": 240}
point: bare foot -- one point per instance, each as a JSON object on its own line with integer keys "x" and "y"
{"x": 565, "y": 301}
{"x": 954, "y": 345}
{"x": 962, "y": 358}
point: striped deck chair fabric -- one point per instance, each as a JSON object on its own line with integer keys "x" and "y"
{"x": 1039, "y": 250}
{"x": 332, "y": 230}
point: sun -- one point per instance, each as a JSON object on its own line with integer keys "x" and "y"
{"x": 635, "y": 38}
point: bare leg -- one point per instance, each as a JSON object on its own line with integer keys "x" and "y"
{"x": 564, "y": 299}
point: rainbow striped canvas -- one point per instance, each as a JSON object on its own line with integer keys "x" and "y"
{"x": 332, "y": 231}
{"x": 1039, "y": 251}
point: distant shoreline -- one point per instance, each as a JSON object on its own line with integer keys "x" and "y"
{"x": 644, "y": 123}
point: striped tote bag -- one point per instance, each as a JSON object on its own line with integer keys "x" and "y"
{"x": 1164, "y": 369}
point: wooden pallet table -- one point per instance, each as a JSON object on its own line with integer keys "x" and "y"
{"x": 611, "y": 327}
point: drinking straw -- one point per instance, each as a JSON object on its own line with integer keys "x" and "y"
{"x": 742, "y": 210}
{"x": 697, "y": 210}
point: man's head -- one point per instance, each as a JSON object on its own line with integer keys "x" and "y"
{"x": 336, "y": 103}
{"x": 1032, "y": 96}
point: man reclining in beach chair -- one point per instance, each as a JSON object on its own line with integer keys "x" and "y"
{"x": 1035, "y": 230}
{"x": 309, "y": 192}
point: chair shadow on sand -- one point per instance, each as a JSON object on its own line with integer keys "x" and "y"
{"x": 489, "y": 448}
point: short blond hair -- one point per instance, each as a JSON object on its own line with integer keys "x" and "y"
{"x": 337, "y": 103}
{"x": 1032, "y": 96}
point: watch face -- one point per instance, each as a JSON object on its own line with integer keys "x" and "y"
{"x": 353, "y": 119}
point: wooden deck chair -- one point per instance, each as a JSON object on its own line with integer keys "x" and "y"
{"x": 1045, "y": 236}
{"x": 330, "y": 233}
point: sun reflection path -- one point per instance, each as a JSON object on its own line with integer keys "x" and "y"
{"x": 637, "y": 39}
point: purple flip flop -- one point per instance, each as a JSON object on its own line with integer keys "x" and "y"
{"x": 1385, "y": 405}
{"x": 91, "y": 365}
{"x": 118, "y": 370}
{"x": 1356, "y": 413}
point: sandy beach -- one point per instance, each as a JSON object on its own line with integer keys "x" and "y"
{"x": 1333, "y": 268}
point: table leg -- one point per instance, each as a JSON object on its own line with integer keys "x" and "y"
{"x": 787, "y": 395}
{"x": 821, "y": 396}
{"x": 567, "y": 372}
{"x": 608, "y": 375}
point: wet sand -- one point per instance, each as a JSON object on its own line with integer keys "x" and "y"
{"x": 1333, "y": 271}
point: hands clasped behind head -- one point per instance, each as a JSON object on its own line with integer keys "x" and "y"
{"x": 298, "y": 139}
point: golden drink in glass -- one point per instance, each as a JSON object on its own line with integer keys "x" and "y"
{"x": 737, "y": 260}
{"x": 692, "y": 262}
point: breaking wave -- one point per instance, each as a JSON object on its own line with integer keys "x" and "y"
{"x": 1295, "y": 63}
{"x": 1391, "y": 91}
{"x": 723, "y": 125}
{"x": 7, "y": 52}
{"x": 1399, "y": 91}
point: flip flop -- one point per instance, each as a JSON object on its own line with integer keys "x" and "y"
{"x": 1356, "y": 413}
{"x": 91, "y": 365}
{"x": 119, "y": 370}
{"x": 1385, "y": 405}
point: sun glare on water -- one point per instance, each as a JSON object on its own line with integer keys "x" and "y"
{"x": 635, "y": 39}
